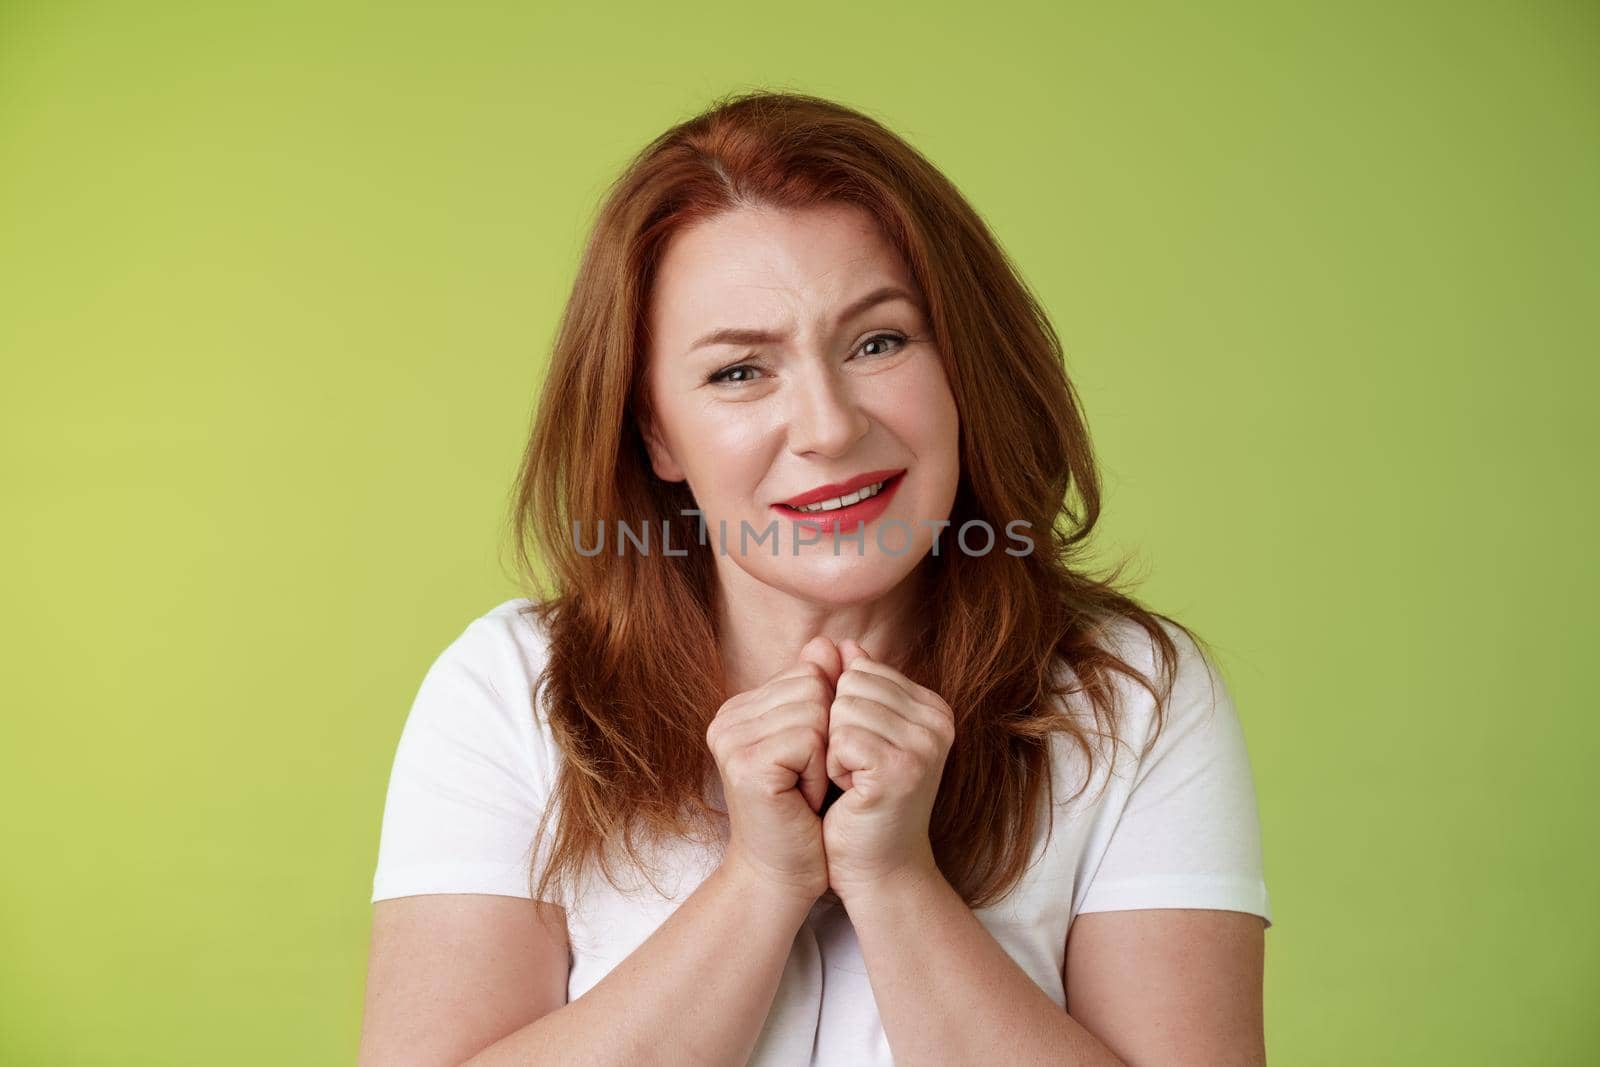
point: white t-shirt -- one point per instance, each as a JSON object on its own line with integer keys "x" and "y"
{"x": 1177, "y": 829}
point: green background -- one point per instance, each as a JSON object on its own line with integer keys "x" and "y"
{"x": 276, "y": 289}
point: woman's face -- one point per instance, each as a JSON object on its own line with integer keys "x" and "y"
{"x": 789, "y": 352}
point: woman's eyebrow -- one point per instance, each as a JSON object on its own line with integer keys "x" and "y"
{"x": 737, "y": 336}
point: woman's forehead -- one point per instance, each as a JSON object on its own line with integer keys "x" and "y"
{"x": 759, "y": 268}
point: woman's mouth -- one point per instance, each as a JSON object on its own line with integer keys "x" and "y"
{"x": 845, "y": 513}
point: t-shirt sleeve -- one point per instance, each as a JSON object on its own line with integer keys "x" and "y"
{"x": 1189, "y": 832}
{"x": 471, "y": 772}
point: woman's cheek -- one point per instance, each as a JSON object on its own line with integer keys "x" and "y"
{"x": 732, "y": 458}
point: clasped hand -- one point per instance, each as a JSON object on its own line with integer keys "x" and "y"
{"x": 838, "y": 715}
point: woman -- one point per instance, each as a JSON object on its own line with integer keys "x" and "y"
{"x": 820, "y": 740}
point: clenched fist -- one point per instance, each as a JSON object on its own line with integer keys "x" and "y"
{"x": 887, "y": 742}
{"x": 837, "y": 715}
{"x": 770, "y": 747}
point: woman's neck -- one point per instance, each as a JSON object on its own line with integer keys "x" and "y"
{"x": 761, "y": 630}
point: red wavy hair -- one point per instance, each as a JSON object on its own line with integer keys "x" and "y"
{"x": 634, "y": 675}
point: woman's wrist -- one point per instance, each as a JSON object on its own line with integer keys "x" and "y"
{"x": 893, "y": 889}
{"x": 777, "y": 894}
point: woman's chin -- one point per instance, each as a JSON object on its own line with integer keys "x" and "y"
{"x": 839, "y": 580}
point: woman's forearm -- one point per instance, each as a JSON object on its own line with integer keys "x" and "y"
{"x": 697, "y": 991}
{"x": 948, "y": 993}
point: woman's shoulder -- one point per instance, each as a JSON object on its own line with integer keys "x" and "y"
{"x": 1133, "y": 641}
{"x": 474, "y": 766}
{"x": 517, "y": 621}
{"x": 521, "y": 619}
{"x": 1192, "y": 687}
{"x": 486, "y": 677}
{"x": 509, "y": 641}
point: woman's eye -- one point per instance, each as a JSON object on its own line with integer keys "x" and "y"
{"x": 726, "y": 374}
{"x": 891, "y": 337}
{"x": 742, "y": 373}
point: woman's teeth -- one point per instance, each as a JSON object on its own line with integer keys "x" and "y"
{"x": 845, "y": 501}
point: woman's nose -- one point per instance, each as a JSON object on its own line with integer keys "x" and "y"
{"x": 824, "y": 415}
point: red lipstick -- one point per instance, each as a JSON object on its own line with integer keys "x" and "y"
{"x": 833, "y": 489}
{"x": 846, "y": 518}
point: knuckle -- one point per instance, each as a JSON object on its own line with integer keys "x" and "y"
{"x": 929, "y": 746}
{"x": 808, "y": 674}
{"x": 903, "y": 762}
{"x": 740, "y": 764}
